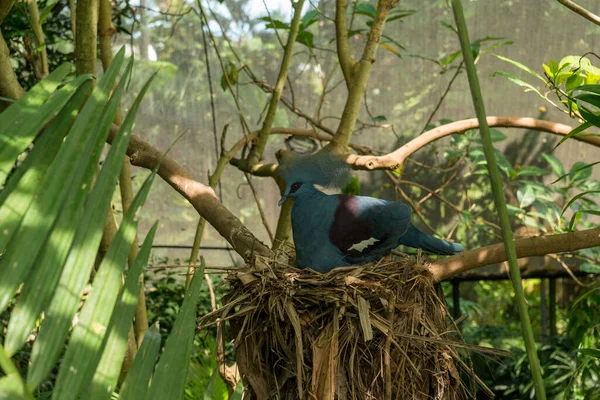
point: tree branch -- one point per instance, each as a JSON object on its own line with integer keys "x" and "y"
{"x": 202, "y": 197}
{"x": 258, "y": 149}
{"x": 9, "y": 85}
{"x": 36, "y": 27}
{"x": 341, "y": 38}
{"x": 534, "y": 246}
{"x": 360, "y": 77}
{"x": 395, "y": 159}
{"x": 86, "y": 16}
{"x": 5, "y": 6}
{"x": 581, "y": 11}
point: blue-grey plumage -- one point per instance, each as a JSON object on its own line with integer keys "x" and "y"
{"x": 341, "y": 230}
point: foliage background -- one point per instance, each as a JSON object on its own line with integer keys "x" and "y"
{"x": 404, "y": 87}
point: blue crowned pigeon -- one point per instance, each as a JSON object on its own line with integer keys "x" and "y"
{"x": 334, "y": 230}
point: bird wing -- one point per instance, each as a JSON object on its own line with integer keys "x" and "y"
{"x": 365, "y": 228}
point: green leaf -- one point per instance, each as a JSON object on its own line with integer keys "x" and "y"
{"x": 495, "y": 134}
{"x": 590, "y": 88}
{"x": 531, "y": 171}
{"x": 589, "y": 116}
{"x": 87, "y": 340}
{"x": 556, "y": 165}
{"x": 573, "y": 82}
{"x": 575, "y": 198}
{"x": 590, "y": 352}
{"x": 574, "y": 132}
{"x": 580, "y": 170}
{"x": 309, "y": 18}
{"x": 525, "y": 196}
{"x": 448, "y": 26}
{"x": 169, "y": 378}
{"x": 136, "y": 384}
{"x": 518, "y": 81}
{"x": 521, "y": 66}
{"x": 70, "y": 169}
{"x": 399, "y": 14}
{"x": 21, "y": 121}
{"x": 306, "y": 38}
{"x": 512, "y": 210}
{"x": 274, "y": 23}
{"x": 13, "y": 388}
{"x": 231, "y": 74}
{"x": 76, "y": 270}
{"x": 448, "y": 60}
{"x": 353, "y": 187}
{"x": 16, "y": 196}
{"x": 366, "y": 9}
{"x": 475, "y": 48}
{"x": 41, "y": 282}
{"x": 106, "y": 375}
{"x": 592, "y": 99}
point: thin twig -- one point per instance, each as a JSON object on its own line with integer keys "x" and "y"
{"x": 442, "y": 98}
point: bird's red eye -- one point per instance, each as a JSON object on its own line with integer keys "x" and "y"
{"x": 295, "y": 187}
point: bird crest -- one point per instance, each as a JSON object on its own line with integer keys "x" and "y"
{"x": 322, "y": 168}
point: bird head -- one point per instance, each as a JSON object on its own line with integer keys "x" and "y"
{"x": 302, "y": 173}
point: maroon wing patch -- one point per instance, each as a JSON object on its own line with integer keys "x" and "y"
{"x": 347, "y": 228}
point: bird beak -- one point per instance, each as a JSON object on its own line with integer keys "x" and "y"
{"x": 282, "y": 200}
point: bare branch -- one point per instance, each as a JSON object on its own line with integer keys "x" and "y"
{"x": 533, "y": 246}
{"x": 395, "y": 159}
{"x": 581, "y": 11}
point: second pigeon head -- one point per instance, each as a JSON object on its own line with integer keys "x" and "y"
{"x": 302, "y": 173}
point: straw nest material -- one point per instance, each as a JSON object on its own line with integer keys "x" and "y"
{"x": 300, "y": 334}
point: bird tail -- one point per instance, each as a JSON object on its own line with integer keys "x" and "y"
{"x": 419, "y": 240}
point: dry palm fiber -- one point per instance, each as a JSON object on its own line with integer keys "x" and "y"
{"x": 300, "y": 334}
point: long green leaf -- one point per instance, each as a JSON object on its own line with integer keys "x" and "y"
{"x": 521, "y": 66}
{"x": 11, "y": 385}
{"x": 85, "y": 346}
{"x": 575, "y": 198}
{"x": 13, "y": 388}
{"x": 169, "y": 378}
{"x": 106, "y": 375}
{"x": 20, "y": 123}
{"x": 63, "y": 306}
{"x": 589, "y": 88}
{"x": 556, "y": 165}
{"x": 69, "y": 168}
{"x": 42, "y": 282}
{"x": 574, "y": 132}
{"x": 19, "y": 192}
{"x": 135, "y": 386}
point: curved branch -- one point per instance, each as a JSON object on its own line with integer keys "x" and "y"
{"x": 395, "y": 159}
{"x": 202, "y": 197}
{"x": 581, "y": 11}
{"x": 533, "y": 246}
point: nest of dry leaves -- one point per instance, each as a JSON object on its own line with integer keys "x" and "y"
{"x": 379, "y": 331}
